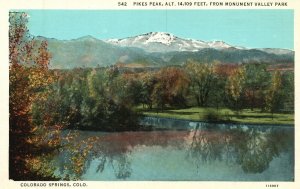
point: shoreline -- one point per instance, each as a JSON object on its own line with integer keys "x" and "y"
{"x": 221, "y": 122}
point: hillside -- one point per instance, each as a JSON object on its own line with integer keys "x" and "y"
{"x": 154, "y": 49}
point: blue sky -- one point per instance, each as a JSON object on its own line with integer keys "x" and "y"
{"x": 249, "y": 28}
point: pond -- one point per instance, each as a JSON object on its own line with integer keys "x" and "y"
{"x": 198, "y": 152}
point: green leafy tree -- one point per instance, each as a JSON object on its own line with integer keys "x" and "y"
{"x": 201, "y": 76}
{"x": 288, "y": 91}
{"x": 257, "y": 79}
{"x": 218, "y": 95}
{"x": 273, "y": 94}
{"x": 133, "y": 88}
{"x": 148, "y": 82}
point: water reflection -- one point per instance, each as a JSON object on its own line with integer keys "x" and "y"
{"x": 111, "y": 149}
{"x": 252, "y": 149}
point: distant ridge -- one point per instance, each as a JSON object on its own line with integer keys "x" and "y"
{"x": 155, "y": 49}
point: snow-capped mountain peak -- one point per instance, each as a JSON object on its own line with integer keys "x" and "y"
{"x": 159, "y": 37}
{"x": 151, "y": 37}
{"x": 166, "y": 42}
{"x": 218, "y": 44}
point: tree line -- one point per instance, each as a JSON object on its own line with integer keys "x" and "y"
{"x": 106, "y": 98}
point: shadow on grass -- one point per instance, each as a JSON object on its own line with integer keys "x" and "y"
{"x": 225, "y": 116}
{"x": 254, "y": 116}
{"x": 180, "y": 113}
{"x": 171, "y": 111}
{"x": 285, "y": 120}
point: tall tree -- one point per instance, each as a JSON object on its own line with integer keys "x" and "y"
{"x": 201, "y": 76}
{"x": 257, "y": 79}
{"x": 171, "y": 87}
{"x": 29, "y": 81}
{"x": 235, "y": 86}
{"x": 148, "y": 82}
{"x": 273, "y": 93}
{"x": 288, "y": 91}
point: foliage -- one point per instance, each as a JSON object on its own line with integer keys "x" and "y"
{"x": 170, "y": 88}
{"x": 202, "y": 77}
{"x": 235, "y": 86}
{"x": 104, "y": 98}
{"x": 213, "y": 116}
{"x": 29, "y": 82}
{"x": 148, "y": 82}
{"x": 287, "y": 91}
{"x": 257, "y": 79}
{"x": 273, "y": 94}
{"x": 97, "y": 99}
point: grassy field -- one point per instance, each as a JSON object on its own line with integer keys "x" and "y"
{"x": 223, "y": 114}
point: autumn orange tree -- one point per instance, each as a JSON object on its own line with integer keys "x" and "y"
{"x": 171, "y": 87}
{"x": 29, "y": 82}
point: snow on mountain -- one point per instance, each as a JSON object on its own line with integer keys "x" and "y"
{"x": 160, "y": 37}
{"x": 152, "y": 37}
{"x": 276, "y": 51}
{"x": 166, "y": 42}
{"x": 218, "y": 45}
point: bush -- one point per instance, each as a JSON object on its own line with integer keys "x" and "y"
{"x": 213, "y": 116}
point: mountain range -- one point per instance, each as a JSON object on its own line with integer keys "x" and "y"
{"x": 166, "y": 42}
{"x": 155, "y": 49}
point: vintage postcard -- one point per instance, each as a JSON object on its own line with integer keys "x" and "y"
{"x": 170, "y": 93}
